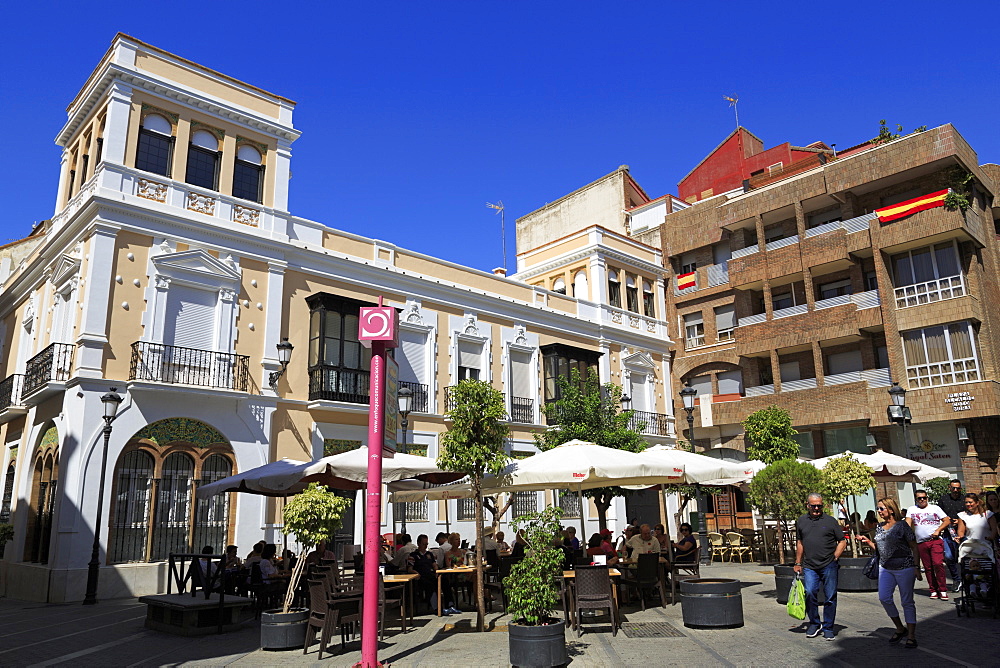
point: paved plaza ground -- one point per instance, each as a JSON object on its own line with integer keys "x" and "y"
{"x": 112, "y": 634}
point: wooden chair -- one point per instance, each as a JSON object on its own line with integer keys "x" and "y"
{"x": 390, "y": 597}
{"x": 647, "y": 576}
{"x": 718, "y": 545}
{"x": 737, "y": 546}
{"x": 348, "y": 607}
{"x": 592, "y": 591}
{"x": 496, "y": 583}
{"x": 321, "y": 617}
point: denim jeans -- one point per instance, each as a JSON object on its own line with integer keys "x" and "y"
{"x": 903, "y": 579}
{"x": 821, "y": 584}
{"x": 951, "y": 564}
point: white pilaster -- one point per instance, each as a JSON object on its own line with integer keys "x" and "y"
{"x": 272, "y": 320}
{"x": 116, "y": 123}
{"x": 97, "y": 305}
{"x": 63, "y": 180}
{"x": 282, "y": 172}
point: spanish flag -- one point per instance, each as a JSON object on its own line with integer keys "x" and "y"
{"x": 685, "y": 281}
{"x": 911, "y": 206}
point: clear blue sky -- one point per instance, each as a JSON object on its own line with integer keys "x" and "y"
{"x": 414, "y": 115}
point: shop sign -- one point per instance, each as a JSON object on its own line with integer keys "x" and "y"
{"x": 960, "y": 401}
{"x": 933, "y": 454}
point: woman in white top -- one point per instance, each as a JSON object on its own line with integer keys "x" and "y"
{"x": 976, "y": 527}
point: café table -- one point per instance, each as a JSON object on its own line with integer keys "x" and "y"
{"x": 408, "y": 580}
{"x": 459, "y": 570}
{"x": 570, "y": 575}
{"x": 664, "y": 568}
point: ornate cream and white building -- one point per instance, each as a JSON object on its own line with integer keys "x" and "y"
{"x": 172, "y": 267}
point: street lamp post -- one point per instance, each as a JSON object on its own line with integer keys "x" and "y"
{"x": 405, "y": 398}
{"x": 688, "y": 395}
{"x": 284, "y": 357}
{"x": 111, "y": 401}
{"x": 899, "y": 412}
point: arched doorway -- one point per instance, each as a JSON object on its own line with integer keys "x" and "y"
{"x": 154, "y": 511}
{"x": 44, "y": 483}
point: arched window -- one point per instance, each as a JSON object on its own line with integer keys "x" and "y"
{"x": 156, "y": 145}
{"x": 248, "y": 174}
{"x": 130, "y": 522}
{"x": 154, "y": 511}
{"x": 203, "y": 160}
{"x": 631, "y": 294}
{"x": 8, "y": 495}
{"x": 614, "y": 289}
{"x": 559, "y": 286}
{"x": 580, "y": 288}
{"x": 43, "y": 497}
{"x": 648, "y": 304}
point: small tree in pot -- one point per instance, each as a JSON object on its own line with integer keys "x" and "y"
{"x": 536, "y": 638}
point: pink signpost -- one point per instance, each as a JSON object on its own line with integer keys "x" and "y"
{"x": 377, "y": 328}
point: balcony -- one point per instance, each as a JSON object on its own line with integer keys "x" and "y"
{"x": 52, "y": 365}
{"x": 874, "y": 378}
{"x": 752, "y": 319}
{"x": 333, "y": 383}
{"x": 629, "y": 320}
{"x": 743, "y": 252}
{"x": 420, "y": 396}
{"x": 790, "y": 311}
{"x": 759, "y": 390}
{"x": 10, "y": 397}
{"x": 850, "y": 226}
{"x": 781, "y": 243}
{"x": 801, "y": 384}
{"x": 175, "y": 365}
{"x": 711, "y": 276}
{"x": 651, "y": 424}
{"x": 930, "y": 291}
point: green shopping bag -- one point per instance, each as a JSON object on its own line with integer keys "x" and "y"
{"x": 797, "y": 599}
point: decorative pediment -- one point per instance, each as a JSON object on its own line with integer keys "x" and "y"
{"x": 196, "y": 265}
{"x": 639, "y": 360}
{"x": 66, "y": 268}
{"x": 471, "y": 326}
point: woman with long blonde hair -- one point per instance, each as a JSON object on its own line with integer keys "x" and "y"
{"x": 896, "y": 546}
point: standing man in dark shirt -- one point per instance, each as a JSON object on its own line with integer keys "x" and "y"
{"x": 820, "y": 543}
{"x": 952, "y": 504}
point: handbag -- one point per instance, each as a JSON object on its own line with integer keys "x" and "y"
{"x": 796, "y": 605}
{"x": 871, "y": 568}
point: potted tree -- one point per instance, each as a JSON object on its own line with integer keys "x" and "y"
{"x": 311, "y": 516}
{"x": 535, "y": 637}
{"x": 780, "y": 491}
{"x": 843, "y": 478}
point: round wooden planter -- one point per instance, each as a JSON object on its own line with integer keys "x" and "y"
{"x": 283, "y": 630}
{"x": 711, "y": 603}
{"x": 783, "y": 578}
{"x": 537, "y": 646}
{"x": 851, "y": 577}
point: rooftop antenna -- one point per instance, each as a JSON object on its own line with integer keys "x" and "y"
{"x": 503, "y": 230}
{"x": 732, "y": 103}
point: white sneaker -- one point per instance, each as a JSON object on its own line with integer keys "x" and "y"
{"x": 934, "y": 594}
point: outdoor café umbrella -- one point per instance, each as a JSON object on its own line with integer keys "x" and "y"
{"x": 887, "y": 467}
{"x": 279, "y": 478}
{"x": 700, "y": 468}
{"x": 575, "y": 465}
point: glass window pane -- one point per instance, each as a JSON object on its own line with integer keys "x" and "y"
{"x": 937, "y": 349}
{"x": 913, "y": 348}
{"x": 961, "y": 343}
{"x": 902, "y": 269}
{"x": 947, "y": 260}
{"x": 201, "y": 167}
{"x": 923, "y": 267}
{"x": 246, "y": 181}
{"x": 153, "y": 153}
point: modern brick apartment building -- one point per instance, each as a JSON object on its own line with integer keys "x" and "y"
{"x": 792, "y": 290}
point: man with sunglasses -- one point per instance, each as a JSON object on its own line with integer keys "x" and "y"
{"x": 952, "y": 504}
{"x": 929, "y": 522}
{"x": 821, "y": 541}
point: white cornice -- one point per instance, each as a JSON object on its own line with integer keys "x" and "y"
{"x": 180, "y": 94}
{"x": 594, "y": 249}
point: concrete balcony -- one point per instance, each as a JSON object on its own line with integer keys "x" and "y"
{"x": 711, "y": 276}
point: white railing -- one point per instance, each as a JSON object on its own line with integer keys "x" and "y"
{"x": 841, "y": 378}
{"x": 790, "y": 311}
{"x": 751, "y": 320}
{"x": 718, "y": 274}
{"x": 759, "y": 390}
{"x": 839, "y": 300}
{"x": 869, "y": 299}
{"x": 877, "y": 377}
{"x": 803, "y": 384}
{"x": 695, "y": 342}
{"x": 634, "y": 321}
{"x": 858, "y": 223}
{"x": 937, "y": 290}
{"x": 749, "y": 250}
{"x": 823, "y": 229}
{"x": 781, "y": 243}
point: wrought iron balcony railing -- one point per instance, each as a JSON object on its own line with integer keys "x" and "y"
{"x": 522, "y": 409}
{"x": 52, "y": 364}
{"x": 333, "y": 383}
{"x": 655, "y": 424}
{"x": 161, "y": 363}
{"x": 10, "y": 391}
{"x": 420, "y": 396}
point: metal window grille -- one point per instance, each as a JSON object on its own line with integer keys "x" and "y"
{"x": 413, "y": 511}
{"x": 524, "y": 503}
{"x": 8, "y": 495}
{"x": 466, "y": 510}
{"x": 419, "y": 397}
{"x": 130, "y": 519}
{"x": 173, "y": 507}
{"x": 211, "y": 516}
{"x": 10, "y": 391}
{"x": 522, "y": 409}
{"x": 570, "y": 504}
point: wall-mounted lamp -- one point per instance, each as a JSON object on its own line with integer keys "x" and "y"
{"x": 284, "y": 356}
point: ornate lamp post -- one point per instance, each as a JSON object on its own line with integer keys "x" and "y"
{"x": 284, "y": 357}
{"x": 899, "y": 412}
{"x": 111, "y": 402}
{"x": 405, "y": 398}
{"x": 688, "y": 395}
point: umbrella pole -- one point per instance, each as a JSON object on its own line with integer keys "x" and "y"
{"x": 447, "y": 524}
{"x": 284, "y": 502}
{"x": 583, "y": 529}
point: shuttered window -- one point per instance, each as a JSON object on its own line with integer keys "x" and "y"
{"x": 845, "y": 362}
{"x": 640, "y": 399}
{"x": 702, "y": 384}
{"x": 731, "y": 382}
{"x": 521, "y": 378}
{"x": 470, "y": 356}
{"x": 413, "y": 360}
{"x": 190, "y": 320}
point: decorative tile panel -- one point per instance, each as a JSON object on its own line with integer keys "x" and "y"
{"x": 172, "y": 430}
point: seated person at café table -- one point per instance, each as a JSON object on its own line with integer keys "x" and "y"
{"x": 569, "y": 538}
{"x": 504, "y": 547}
{"x": 254, "y": 555}
{"x": 488, "y": 542}
{"x": 232, "y": 559}
{"x": 686, "y": 548}
{"x": 423, "y": 563}
{"x": 661, "y": 536}
{"x": 519, "y": 544}
{"x": 267, "y": 567}
{"x": 623, "y": 547}
{"x": 597, "y": 547}
{"x": 322, "y": 551}
{"x": 404, "y": 547}
{"x": 643, "y": 543}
